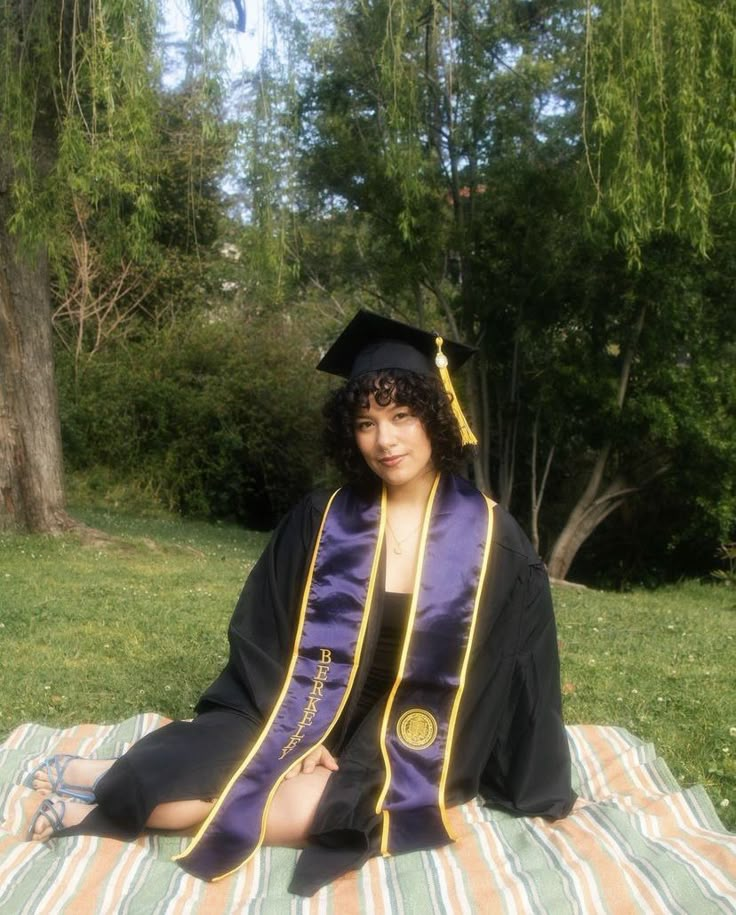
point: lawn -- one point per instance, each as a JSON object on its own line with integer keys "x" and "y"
{"x": 100, "y": 632}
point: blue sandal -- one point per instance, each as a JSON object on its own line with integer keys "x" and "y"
{"x": 55, "y": 766}
{"x": 48, "y": 810}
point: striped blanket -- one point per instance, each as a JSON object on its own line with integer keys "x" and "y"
{"x": 635, "y": 842}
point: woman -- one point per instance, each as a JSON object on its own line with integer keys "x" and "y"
{"x": 393, "y": 653}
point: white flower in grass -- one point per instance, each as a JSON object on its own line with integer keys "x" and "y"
{"x": 725, "y": 802}
{"x": 732, "y": 732}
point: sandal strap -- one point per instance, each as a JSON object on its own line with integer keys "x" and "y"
{"x": 49, "y": 810}
{"x": 52, "y": 809}
{"x": 55, "y": 767}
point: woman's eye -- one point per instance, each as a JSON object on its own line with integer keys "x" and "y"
{"x": 363, "y": 424}
{"x": 402, "y": 414}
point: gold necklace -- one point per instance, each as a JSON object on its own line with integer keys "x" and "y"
{"x": 397, "y": 548}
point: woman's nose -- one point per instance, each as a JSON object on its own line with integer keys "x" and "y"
{"x": 386, "y": 435}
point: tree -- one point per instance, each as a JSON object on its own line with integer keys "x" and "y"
{"x": 456, "y": 146}
{"x": 75, "y": 131}
{"x": 659, "y": 117}
{"x": 79, "y": 162}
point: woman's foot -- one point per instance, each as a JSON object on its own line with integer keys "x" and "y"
{"x": 71, "y": 776}
{"x": 53, "y": 814}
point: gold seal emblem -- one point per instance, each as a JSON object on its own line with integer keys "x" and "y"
{"x": 417, "y": 729}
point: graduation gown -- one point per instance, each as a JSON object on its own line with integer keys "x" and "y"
{"x": 509, "y": 747}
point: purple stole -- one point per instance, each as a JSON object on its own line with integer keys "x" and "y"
{"x": 421, "y": 710}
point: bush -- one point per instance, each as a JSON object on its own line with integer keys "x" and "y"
{"x": 218, "y": 418}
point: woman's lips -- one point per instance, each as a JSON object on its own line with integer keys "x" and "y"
{"x": 391, "y": 461}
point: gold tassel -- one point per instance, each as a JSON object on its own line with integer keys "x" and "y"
{"x": 440, "y": 360}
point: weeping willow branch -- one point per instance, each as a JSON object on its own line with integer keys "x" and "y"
{"x": 659, "y": 116}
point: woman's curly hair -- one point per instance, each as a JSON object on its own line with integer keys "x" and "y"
{"x": 424, "y": 395}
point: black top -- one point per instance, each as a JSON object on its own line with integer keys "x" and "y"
{"x": 381, "y": 676}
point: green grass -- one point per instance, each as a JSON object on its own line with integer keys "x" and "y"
{"x": 100, "y": 632}
{"x": 660, "y": 663}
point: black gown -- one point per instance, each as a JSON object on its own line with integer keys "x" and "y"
{"x": 510, "y": 745}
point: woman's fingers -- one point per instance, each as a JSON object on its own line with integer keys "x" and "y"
{"x": 319, "y": 756}
{"x": 328, "y": 760}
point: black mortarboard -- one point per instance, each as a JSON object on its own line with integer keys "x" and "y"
{"x": 371, "y": 343}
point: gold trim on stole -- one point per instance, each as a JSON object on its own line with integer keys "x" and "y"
{"x": 287, "y": 680}
{"x": 463, "y": 670}
{"x": 402, "y": 663}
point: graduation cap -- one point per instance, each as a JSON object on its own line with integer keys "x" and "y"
{"x": 372, "y": 343}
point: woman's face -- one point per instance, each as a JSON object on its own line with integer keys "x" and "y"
{"x": 393, "y": 443}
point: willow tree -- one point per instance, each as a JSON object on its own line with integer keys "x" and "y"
{"x": 410, "y": 107}
{"x": 78, "y": 156}
{"x": 659, "y": 130}
{"x": 422, "y": 120}
{"x": 659, "y": 117}
{"x": 75, "y": 129}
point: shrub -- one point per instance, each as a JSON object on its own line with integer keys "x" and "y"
{"x": 219, "y": 418}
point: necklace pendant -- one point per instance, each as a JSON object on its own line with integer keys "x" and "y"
{"x": 397, "y": 549}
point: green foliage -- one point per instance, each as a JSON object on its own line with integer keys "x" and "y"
{"x": 77, "y": 84}
{"x": 194, "y": 143}
{"x": 216, "y": 417}
{"x": 108, "y": 296}
{"x": 443, "y": 176}
{"x": 660, "y": 115}
{"x": 91, "y": 145}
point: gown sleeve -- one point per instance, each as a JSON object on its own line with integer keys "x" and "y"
{"x": 261, "y": 630}
{"x": 528, "y": 771}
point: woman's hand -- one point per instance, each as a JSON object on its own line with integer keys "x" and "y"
{"x": 319, "y": 756}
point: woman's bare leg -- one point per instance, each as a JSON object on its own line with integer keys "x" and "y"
{"x": 293, "y": 808}
{"x": 289, "y": 818}
{"x": 291, "y": 814}
{"x": 176, "y": 815}
{"x": 173, "y": 816}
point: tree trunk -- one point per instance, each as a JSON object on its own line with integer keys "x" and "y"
{"x": 508, "y": 425}
{"x": 592, "y": 508}
{"x": 537, "y": 491}
{"x": 31, "y": 477}
{"x": 589, "y": 512}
